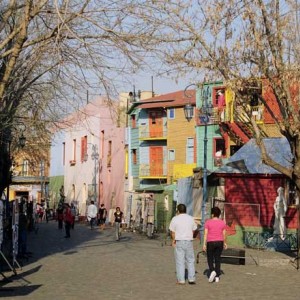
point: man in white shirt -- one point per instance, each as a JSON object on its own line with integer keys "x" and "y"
{"x": 92, "y": 214}
{"x": 182, "y": 228}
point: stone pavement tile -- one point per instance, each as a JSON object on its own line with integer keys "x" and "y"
{"x": 92, "y": 265}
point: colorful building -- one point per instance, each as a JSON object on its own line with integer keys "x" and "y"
{"x": 88, "y": 151}
{"x": 162, "y": 149}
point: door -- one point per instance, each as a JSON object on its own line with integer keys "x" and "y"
{"x": 156, "y": 161}
{"x": 155, "y": 123}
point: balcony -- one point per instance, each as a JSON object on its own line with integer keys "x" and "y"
{"x": 146, "y": 134}
{"x": 228, "y": 115}
{"x": 152, "y": 172}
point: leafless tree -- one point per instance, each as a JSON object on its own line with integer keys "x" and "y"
{"x": 244, "y": 43}
{"x": 51, "y": 51}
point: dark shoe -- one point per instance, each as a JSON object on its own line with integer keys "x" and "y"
{"x": 192, "y": 282}
{"x": 67, "y": 237}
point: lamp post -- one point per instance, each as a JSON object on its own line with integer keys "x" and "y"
{"x": 204, "y": 118}
{"x": 95, "y": 158}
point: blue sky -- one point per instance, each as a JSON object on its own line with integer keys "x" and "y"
{"x": 161, "y": 85}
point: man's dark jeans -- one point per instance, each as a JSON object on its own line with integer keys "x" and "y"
{"x": 92, "y": 222}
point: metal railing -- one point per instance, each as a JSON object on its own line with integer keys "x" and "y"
{"x": 267, "y": 240}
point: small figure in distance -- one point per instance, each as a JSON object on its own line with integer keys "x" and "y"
{"x": 117, "y": 222}
{"x": 92, "y": 214}
{"x": 102, "y": 216}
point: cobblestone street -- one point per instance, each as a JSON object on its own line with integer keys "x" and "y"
{"x": 92, "y": 265}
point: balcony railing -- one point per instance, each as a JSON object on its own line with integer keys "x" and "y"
{"x": 153, "y": 171}
{"x": 146, "y": 134}
{"x": 224, "y": 115}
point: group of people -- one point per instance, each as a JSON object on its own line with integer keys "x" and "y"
{"x": 95, "y": 216}
{"x": 182, "y": 228}
{"x": 66, "y": 213}
{"x": 98, "y": 217}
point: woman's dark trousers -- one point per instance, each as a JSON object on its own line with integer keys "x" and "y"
{"x": 214, "y": 251}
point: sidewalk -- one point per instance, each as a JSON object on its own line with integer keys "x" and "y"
{"x": 92, "y": 265}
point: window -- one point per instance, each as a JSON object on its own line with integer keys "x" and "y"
{"x": 219, "y": 147}
{"x": 292, "y": 196}
{"x": 64, "y": 153}
{"x": 171, "y": 113}
{"x": 109, "y": 154}
{"x": 190, "y": 151}
{"x": 171, "y": 154}
{"x": 134, "y": 156}
{"x": 25, "y": 167}
{"x": 133, "y": 121}
{"x": 42, "y": 168}
{"x": 153, "y": 116}
{"x": 219, "y": 97}
{"x": 73, "y": 160}
{"x": 83, "y": 148}
{"x": 219, "y": 151}
{"x": 102, "y": 144}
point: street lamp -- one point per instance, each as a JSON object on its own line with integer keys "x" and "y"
{"x": 206, "y": 110}
{"x": 188, "y": 108}
{"x": 95, "y": 158}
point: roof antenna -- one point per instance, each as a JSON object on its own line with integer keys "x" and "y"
{"x": 152, "y": 89}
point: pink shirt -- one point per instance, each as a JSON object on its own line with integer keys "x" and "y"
{"x": 215, "y": 228}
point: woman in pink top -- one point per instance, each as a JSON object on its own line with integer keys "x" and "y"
{"x": 214, "y": 242}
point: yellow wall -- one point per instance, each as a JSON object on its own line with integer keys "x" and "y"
{"x": 179, "y": 129}
{"x": 183, "y": 170}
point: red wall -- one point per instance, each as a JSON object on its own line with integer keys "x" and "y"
{"x": 254, "y": 190}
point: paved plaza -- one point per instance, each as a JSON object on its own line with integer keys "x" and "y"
{"x": 92, "y": 265}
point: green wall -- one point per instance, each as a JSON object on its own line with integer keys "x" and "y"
{"x": 55, "y": 184}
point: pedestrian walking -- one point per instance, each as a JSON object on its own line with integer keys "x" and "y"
{"x": 92, "y": 214}
{"x": 102, "y": 216}
{"x": 74, "y": 213}
{"x": 117, "y": 222}
{"x": 214, "y": 243}
{"x": 68, "y": 219}
{"x": 182, "y": 229}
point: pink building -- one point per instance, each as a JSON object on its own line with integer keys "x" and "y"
{"x": 93, "y": 155}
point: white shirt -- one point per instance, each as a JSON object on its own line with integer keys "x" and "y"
{"x": 183, "y": 225}
{"x": 92, "y": 211}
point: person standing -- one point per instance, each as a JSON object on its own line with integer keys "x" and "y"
{"x": 118, "y": 220}
{"x": 68, "y": 219}
{"x": 182, "y": 229}
{"x": 214, "y": 242}
{"x": 280, "y": 209}
{"x": 102, "y": 216}
{"x": 92, "y": 214}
